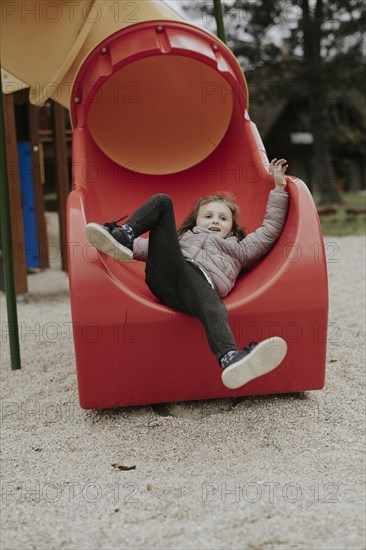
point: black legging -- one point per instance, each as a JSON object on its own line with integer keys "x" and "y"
{"x": 176, "y": 282}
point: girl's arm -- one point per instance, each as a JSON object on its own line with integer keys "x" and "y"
{"x": 278, "y": 168}
{"x": 257, "y": 244}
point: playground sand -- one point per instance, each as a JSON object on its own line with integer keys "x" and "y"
{"x": 269, "y": 472}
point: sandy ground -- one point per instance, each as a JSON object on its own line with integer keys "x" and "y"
{"x": 251, "y": 473}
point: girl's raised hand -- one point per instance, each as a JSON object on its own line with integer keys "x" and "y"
{"x": 278, "y": 169}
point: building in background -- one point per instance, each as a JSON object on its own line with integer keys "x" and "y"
{"x": 282, "y": 117}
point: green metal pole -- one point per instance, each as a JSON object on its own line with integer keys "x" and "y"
{"x": 7, "y": 249}
{"x": 219, "y": 20}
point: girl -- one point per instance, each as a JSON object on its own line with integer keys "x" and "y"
{"x": 193, "y": 269}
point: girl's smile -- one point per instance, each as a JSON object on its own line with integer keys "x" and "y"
{"x": 216, "y": 217}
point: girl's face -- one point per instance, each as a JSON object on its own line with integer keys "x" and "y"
{"x": 216, "y": 217}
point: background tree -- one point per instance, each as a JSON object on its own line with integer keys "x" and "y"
{"x": 316, "y": 43}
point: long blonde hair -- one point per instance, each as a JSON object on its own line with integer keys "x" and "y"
{"x": 225, "y": 197}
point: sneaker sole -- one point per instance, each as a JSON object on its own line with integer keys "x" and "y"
{"x": 264, "y": 358}
{"x": 100, "y": 237}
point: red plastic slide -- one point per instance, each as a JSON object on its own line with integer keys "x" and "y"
{"x": 162, "y": 107}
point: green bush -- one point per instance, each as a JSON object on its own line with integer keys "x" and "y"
{"x": 343, "y": 222}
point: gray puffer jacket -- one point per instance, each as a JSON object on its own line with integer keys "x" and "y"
{"x": 223, "y": 259}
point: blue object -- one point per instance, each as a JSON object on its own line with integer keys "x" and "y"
{"x": 28, "y": 205}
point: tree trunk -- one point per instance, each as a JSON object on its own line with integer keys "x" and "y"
{"x": 325, "y": 180}
{"x": 315, "y": 83}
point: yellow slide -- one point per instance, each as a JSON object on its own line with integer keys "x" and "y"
{"x": 43, "y": 43}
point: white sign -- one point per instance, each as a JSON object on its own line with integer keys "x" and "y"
{"x": 301, "y": 138}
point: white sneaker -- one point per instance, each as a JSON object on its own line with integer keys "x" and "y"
{"x": 103, "y": 240}
{"x": 254, "y": 362}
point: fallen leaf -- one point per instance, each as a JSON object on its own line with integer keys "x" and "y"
{"x": 124, "y": 468}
